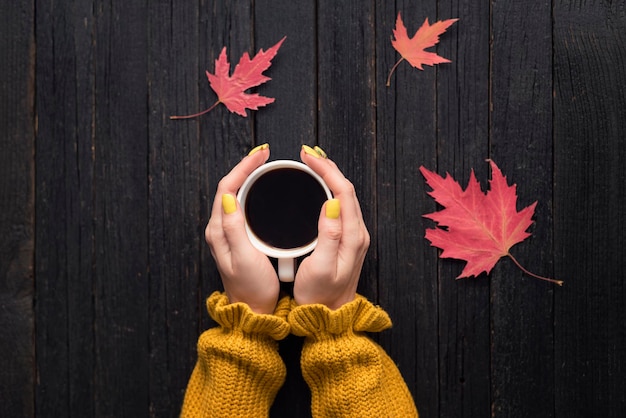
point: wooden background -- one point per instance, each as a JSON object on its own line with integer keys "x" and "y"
{"x": 103, "y": 267}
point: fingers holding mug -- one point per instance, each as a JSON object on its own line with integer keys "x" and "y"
{"x": 247, "y": 274}
{"x": 229, "y": 184}
{"x": 324, "y": 257}
{"x": 237, "y": 176}
{"x": 341, "y": 187}
{"x": 330, "y": 274}
{"x": 354, "y": 231}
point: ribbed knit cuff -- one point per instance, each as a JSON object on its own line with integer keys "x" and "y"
{"x": 239, "y": 370}
{"x": 318, "y": 321}
{"x": 239, "y": 317}
{"x": 349, "y": 375}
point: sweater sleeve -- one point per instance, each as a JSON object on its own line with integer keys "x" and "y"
{"x": 349, "y": 374}
{"x": 239, "y": 370}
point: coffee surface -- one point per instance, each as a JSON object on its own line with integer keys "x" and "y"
{"x": 283, "y": 208}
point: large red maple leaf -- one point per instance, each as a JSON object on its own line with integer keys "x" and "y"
{"x": 413, "y": 49}
{"x": 231, "y": 89}
{"x": 478, "y": 227}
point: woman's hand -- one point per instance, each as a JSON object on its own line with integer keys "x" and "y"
{"x": 247, "y": 274}
{"x": 330, "y": 275}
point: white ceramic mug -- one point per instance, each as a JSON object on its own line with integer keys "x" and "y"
{"x": 285, "y": 256}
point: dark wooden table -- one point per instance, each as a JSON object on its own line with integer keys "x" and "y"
{"x": 103, "y": 199}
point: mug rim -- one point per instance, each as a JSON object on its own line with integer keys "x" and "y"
{"x": 242, "y": 195}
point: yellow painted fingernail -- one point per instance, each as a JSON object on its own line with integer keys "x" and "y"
{"x": 333, "y": 209}
{"x": 229, "y": 204}
{"x": 258, "y": 148}
{"x": 310, "y": 151}
{"x": 320, "y": 151}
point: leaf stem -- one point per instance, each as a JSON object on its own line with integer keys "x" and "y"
{"x": 196, "y": 114}
{"x": 559, "y": 282}
{"x": 392, "y": 70}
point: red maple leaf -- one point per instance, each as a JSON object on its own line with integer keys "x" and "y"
{"x": 248, "y": 73}
{"x": 478, "y": 227}
{"x": 413, "y": 49}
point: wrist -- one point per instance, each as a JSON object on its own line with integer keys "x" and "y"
{"x": 239, "y": 316}
{"x": 260, "y": 308}
{"x": 260, "y": 298}
{"x": 319, "y": 321}
{"x": 333, "y": 303}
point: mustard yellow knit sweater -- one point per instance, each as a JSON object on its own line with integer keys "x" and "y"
{"x": 239, "y": 370}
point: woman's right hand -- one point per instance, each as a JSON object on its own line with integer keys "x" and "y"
{"x": 330, "y": 275}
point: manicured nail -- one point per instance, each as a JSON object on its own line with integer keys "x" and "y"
{"x": 333, "y": 209}
{"x": 258, "y": 148}
{"x": 310, "y": 151}
{"x": 320, "y": 151}
{"x": 228, "y": 203}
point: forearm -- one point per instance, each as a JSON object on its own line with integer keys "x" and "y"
{"x": 348, "y": 374}
{"x": 239, "y": 370}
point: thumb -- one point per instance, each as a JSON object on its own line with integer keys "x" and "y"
{"x": 233, "y": 225}
{"x": 329, "y": 234}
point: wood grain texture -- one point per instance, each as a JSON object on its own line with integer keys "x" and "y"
{"x": 291, "y": 120}
{"x": 589, "y": 201}
{"x": 224, "y": 137}
{"x": 176, "y": 210}
{"x": 104, "y": 199}
{"x": 17, "y": 209}
{"x": 346, "y": 107}
{"x": 121, "y": 288}
{"x": 522, "y": 308}
{"x": 463, "y": 137}
{"x": 407, "y": 273}
{"x": 65, "y": 227}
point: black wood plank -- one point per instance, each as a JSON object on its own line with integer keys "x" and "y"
{"x": 286, "y": 124}
{"x": 121, "y": 288}
{"x": 17, "y": 208}
{"x": 291, "y": 120}
{"x": 225, "y": 138}
{"x": 407, "y": 272}
{"x": 65, "y": 321}
{"x": 176, "y": 215}
{"x": 346, "y": 107}
{"x": 521, "y": 144}
{"x": 463, "y": 145}
{"x": 590, "y": 202}
{"x": 52, "y": 333}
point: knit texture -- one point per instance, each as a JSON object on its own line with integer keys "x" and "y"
{"x": 239, "y": 370}
{"x": 349, "y": 374}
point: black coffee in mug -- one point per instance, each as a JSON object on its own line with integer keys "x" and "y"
{"x": 283, "y": 207}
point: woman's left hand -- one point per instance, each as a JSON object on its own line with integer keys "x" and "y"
{"x": 247, "y": 274}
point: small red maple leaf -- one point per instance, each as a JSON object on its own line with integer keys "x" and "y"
{"x": 248, "y": 73}
{"x": 478, "y": 227}
{"x": 413, "y": 49}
